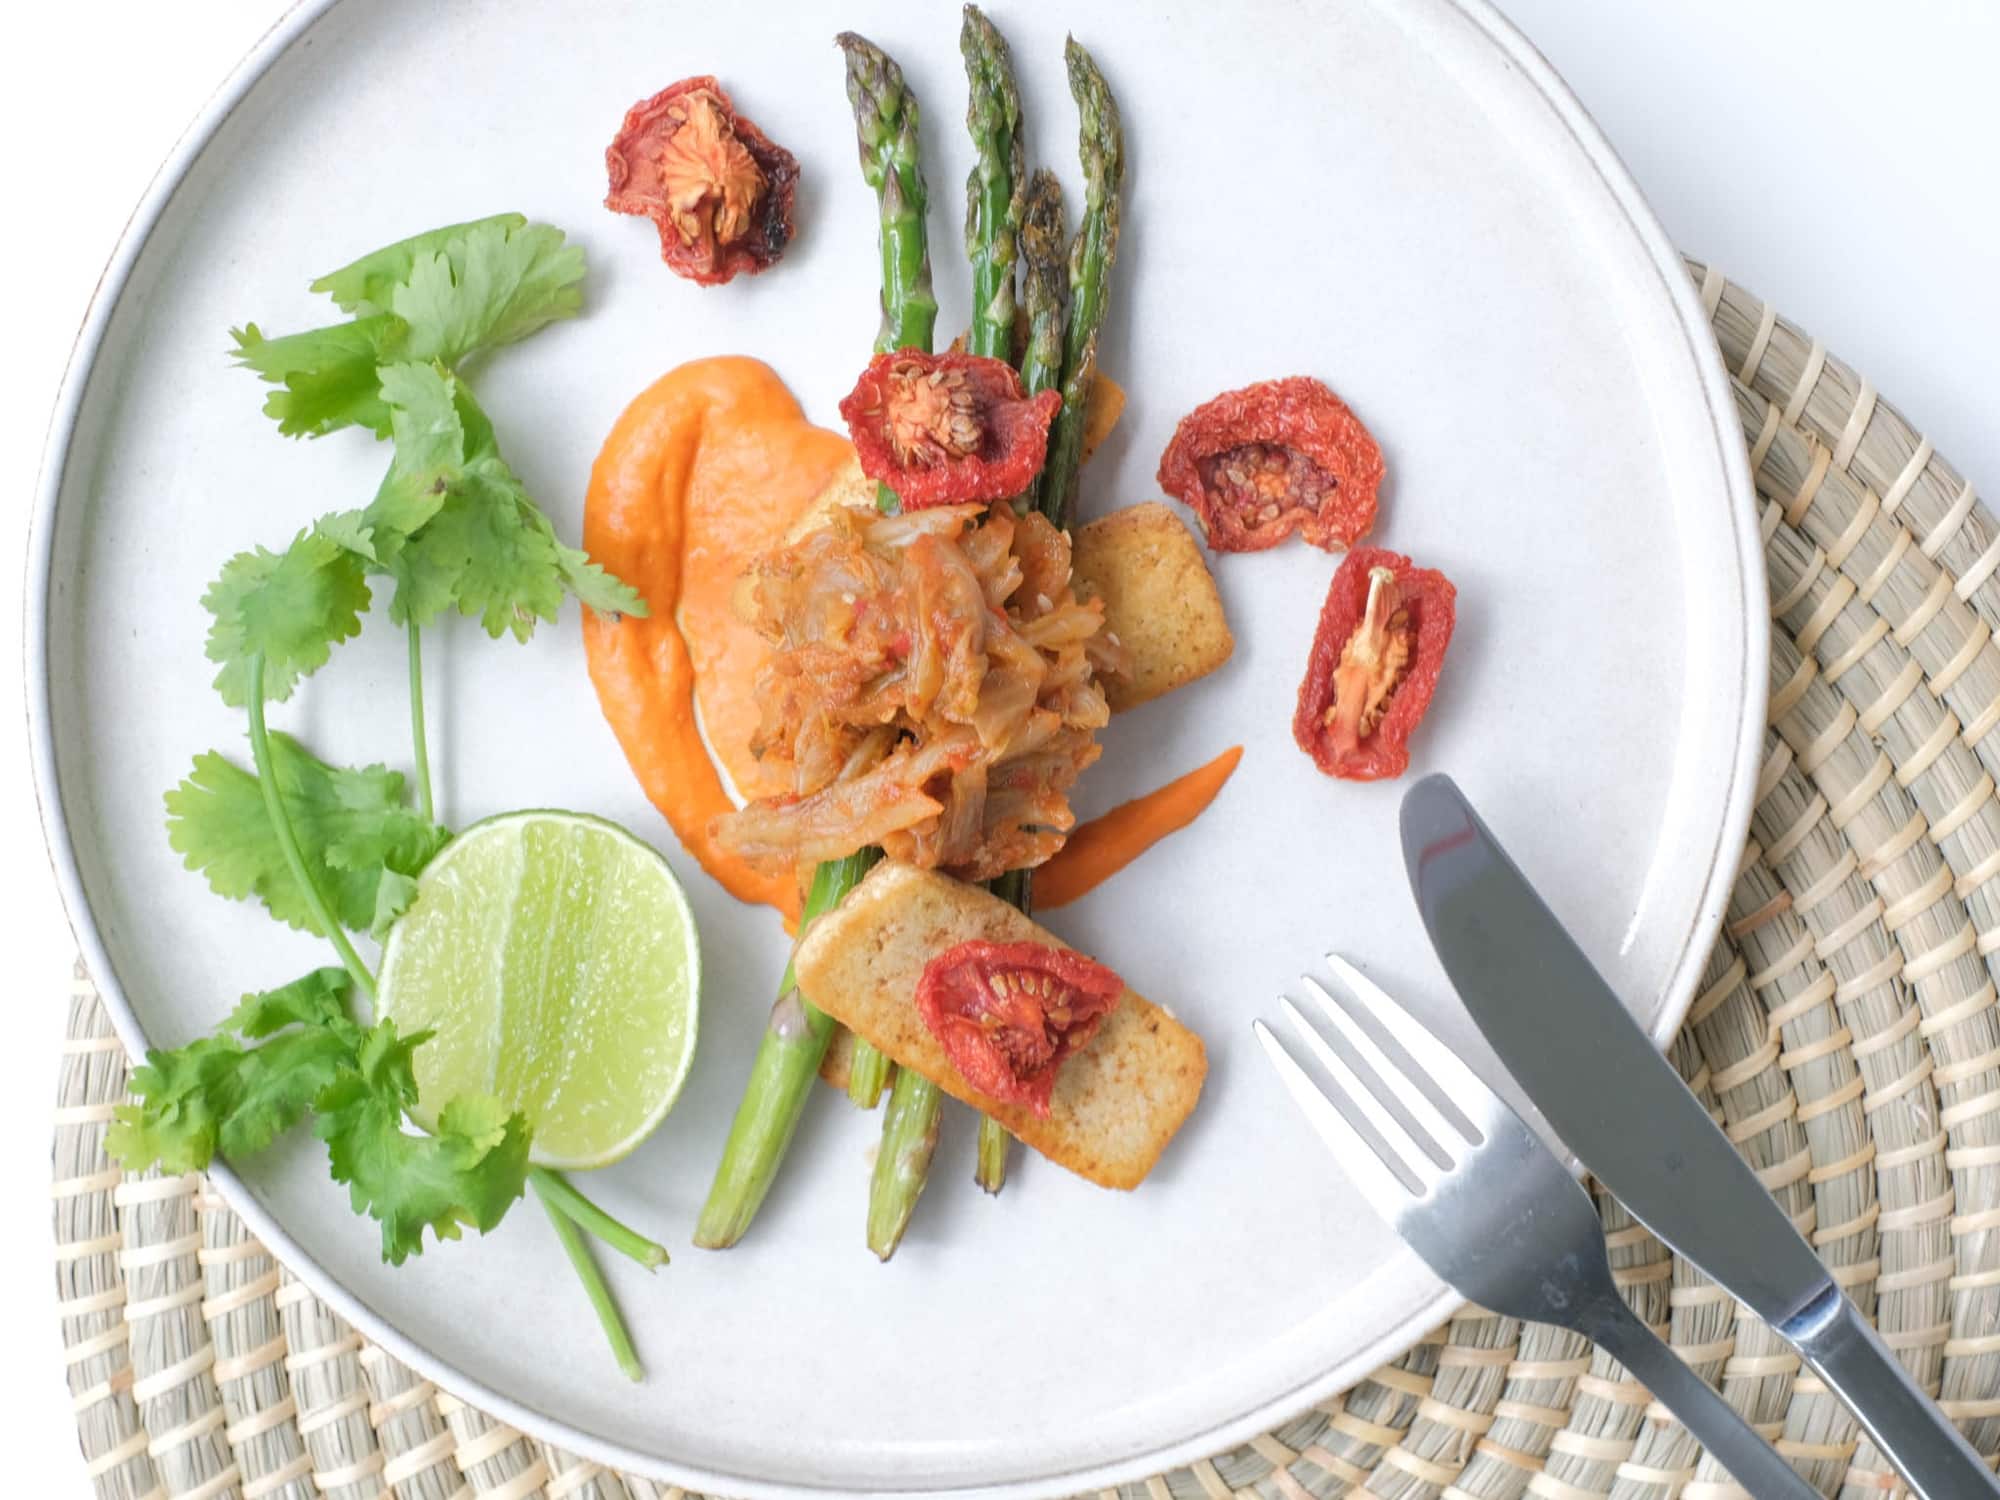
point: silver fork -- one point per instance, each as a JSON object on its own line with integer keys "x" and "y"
{"x": 1489, "y": 1206}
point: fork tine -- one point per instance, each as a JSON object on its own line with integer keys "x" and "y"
{"x": 1454, "y": 1079}
{"x": 1445, "y": 1139}
{"x": 1387, "y": 1193}
{"x": 1413, "y": 1161}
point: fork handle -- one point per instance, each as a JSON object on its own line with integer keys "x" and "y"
{"x": 1751, "y": 1461}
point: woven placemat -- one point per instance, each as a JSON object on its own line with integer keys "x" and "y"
{"x": 1845, "y": 1036}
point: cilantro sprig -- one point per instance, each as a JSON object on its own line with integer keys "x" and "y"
{"x": 441, "y": 295}
{"x": 294, "y": 1052}
{"x": 336, "y": 851}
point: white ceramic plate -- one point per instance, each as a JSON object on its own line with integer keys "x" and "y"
{"x": 1399, "y": 198}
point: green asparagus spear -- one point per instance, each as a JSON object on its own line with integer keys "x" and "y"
{"x": 909, "y": 1139}
{"x": 995, "y": 203}
{"x": 1070, "y": 354}
{"x": 996, "y": 192}
{"x": 788, "y": 1060}
{"x": 885, "y": 122}
{"x": 1102, "y": 146}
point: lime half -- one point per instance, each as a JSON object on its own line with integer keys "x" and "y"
{"x": 555, "y": 957}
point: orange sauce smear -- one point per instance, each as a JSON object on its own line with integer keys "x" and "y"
{"x": 703, "y": 471}
{"x": 1099, "y": 849}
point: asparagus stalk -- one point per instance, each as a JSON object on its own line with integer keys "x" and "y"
{"x": 1066, "y": 354}
{"x": 996, "y": 192}
{"x": 886, "y": 123}
{"x": 995, "y": 204}
{"x": 781, "y": 1078}
{"x": 1101, "y": 144}
{"x": 909, "y": 1140}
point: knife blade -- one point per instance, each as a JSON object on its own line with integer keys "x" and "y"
{"x": 1604, "y": 1088}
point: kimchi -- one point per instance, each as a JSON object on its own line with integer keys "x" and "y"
{"x": 934, "y": 688}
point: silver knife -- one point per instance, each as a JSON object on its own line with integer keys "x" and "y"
{"x": 1618, "y": 1104}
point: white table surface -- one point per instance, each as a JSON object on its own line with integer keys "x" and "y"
{"x": 1830, "y": 154}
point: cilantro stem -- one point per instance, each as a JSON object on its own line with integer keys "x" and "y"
{"x": 592, "y": 1276}
{"x": 417, "y": 735}
{"x": 558, "y": 1192}
{"x": 281, "y": 826}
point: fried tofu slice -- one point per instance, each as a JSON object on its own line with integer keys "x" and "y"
{"x": 1117, "y": 1102}
{"x": 1159, "y": 599}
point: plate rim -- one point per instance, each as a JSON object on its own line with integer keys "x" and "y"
{"x": 1691, "y": 320}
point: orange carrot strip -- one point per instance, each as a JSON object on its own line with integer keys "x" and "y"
{"x": 1099, "y": 849}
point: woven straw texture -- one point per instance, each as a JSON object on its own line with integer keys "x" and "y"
{"x": 1845, "y": 1036}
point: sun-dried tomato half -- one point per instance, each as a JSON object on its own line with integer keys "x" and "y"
{"x": 1375, "y": 661}
{"x": 719, "y": 190}
{"x": 946, "y": 429}
{"x": 1274, "y": 458}
{"x": 1009, "y": 1014}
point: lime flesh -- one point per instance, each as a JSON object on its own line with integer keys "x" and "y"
{"x": 555, "y": 958}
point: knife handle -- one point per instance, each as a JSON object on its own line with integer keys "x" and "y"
{"x": 1731, "y": 1441}
{"x": 1905, "y": 1424}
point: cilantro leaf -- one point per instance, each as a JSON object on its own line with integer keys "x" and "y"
{"x": 469, "y": 1172}
{"x": 277, "y": 1084}
{"x": 353, "y": 827}
{"x": 489, "y": 286}
{"x": 328, "y": 374}
{"x": 365, "y": 285}
{"x": 293, "y": 606}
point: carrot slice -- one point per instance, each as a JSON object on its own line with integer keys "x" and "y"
{"x": 1099, "y": 849}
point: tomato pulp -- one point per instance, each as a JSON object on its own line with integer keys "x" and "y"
{"x": 1278, "y": 457}
{"x": 716, "y": 187}
{"x": 1375, "y": 663}
{"x": 942, "y": 429}
{"x": 1009, "y": 1014}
